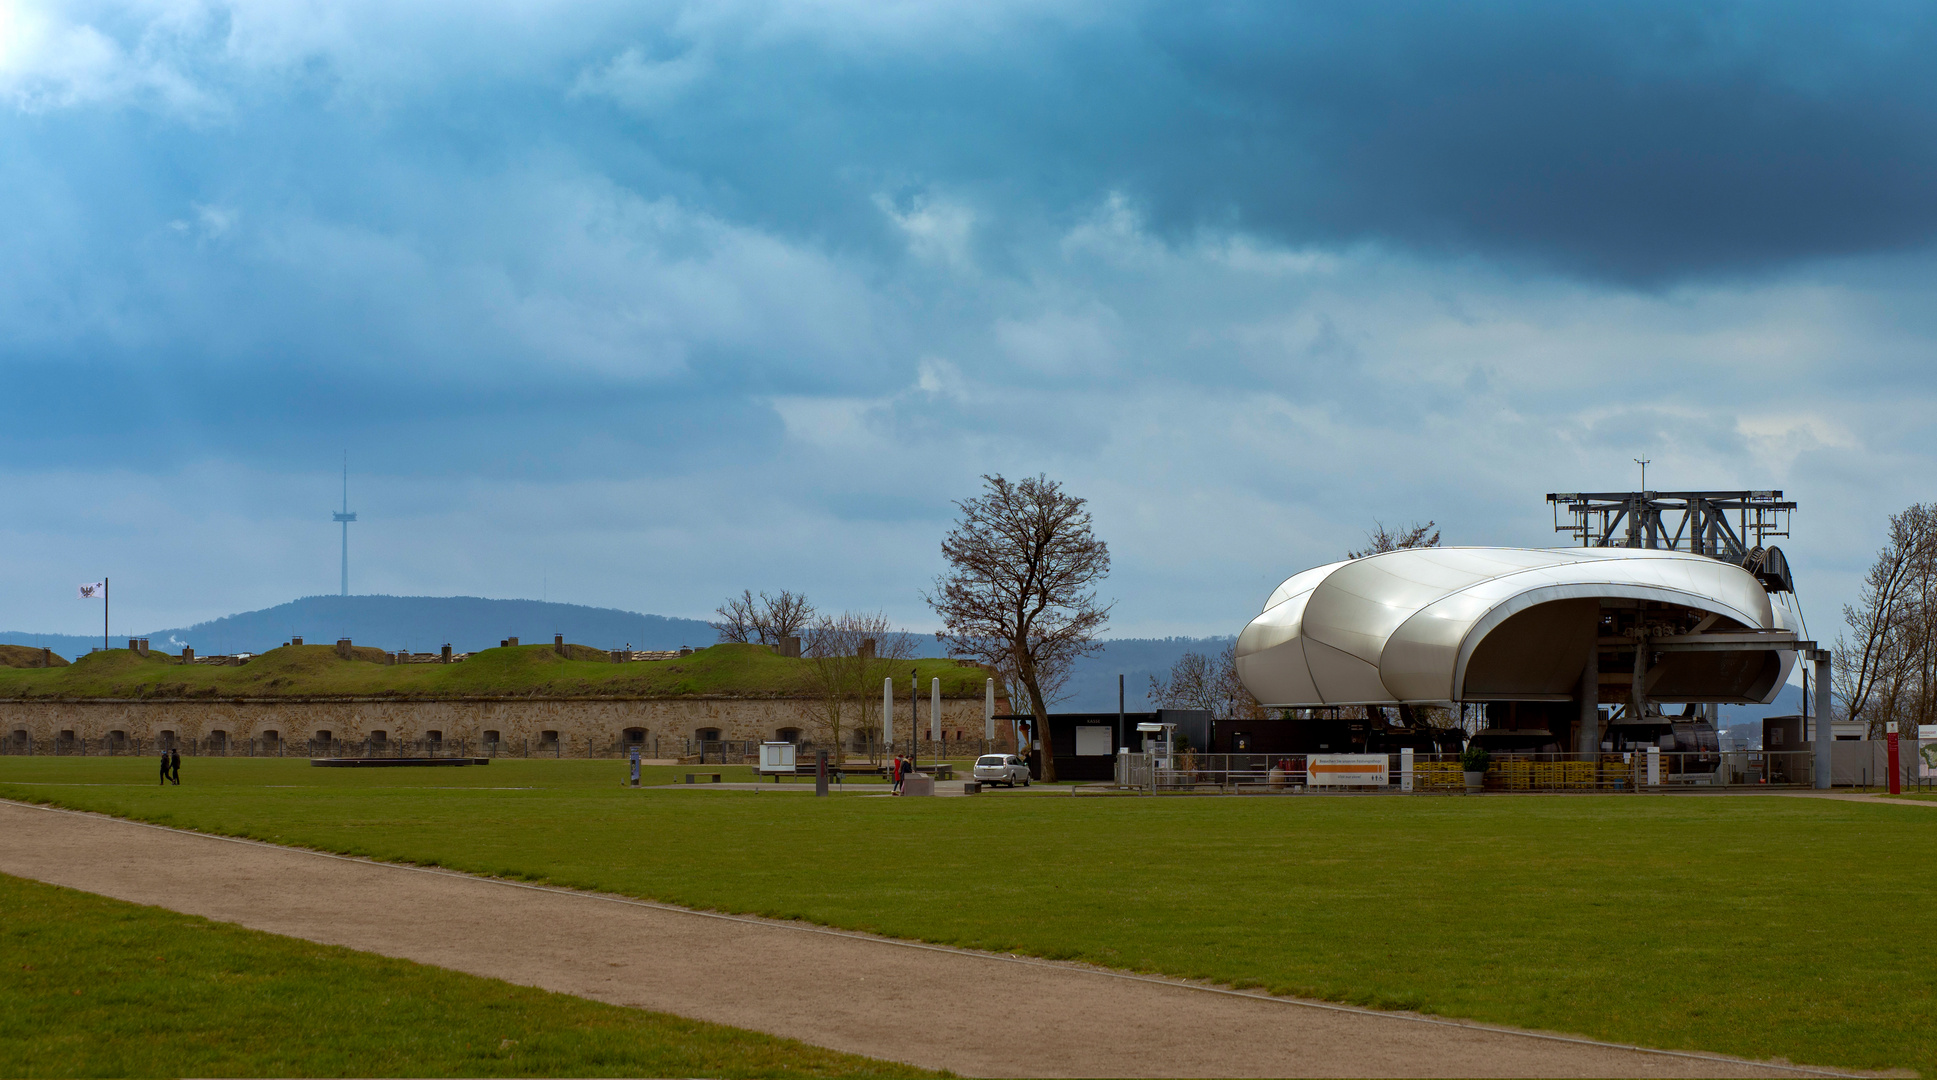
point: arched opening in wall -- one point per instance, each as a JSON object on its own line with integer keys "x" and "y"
{"x": 548, "y": 740}
{"x": 164, "y": 739}
{"x": 379, "y": 739}
{"x": 321, "y": 741}
{"x": 633, "y": 736}
{"x": 218, "y": 741}
{"x": 66, "y": 738}
{"x": 708, "y": 739}
{"x": 434, "y": 738}
{"x": 860, "y": 742}
{"x": 271, "y": 740}
{"x": 19, "y": 737}
{"x": 787, "y": 734}
{"x": 491, "y": 738}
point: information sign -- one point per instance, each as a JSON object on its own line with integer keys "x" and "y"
{"x": 776, "y": 757}
{"x": 1347, "y": 770}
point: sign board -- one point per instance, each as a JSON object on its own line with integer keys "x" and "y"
{"x": 1346, "y": 770}
{"x": 776, "y": 757}
{"x": 1093, "y": 741}
{"x": 1927, "y": 751}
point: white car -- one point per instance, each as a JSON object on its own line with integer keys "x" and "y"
{"x": 1002, "y": 769}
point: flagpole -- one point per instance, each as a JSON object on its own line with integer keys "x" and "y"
{"x": 104, "y": 614}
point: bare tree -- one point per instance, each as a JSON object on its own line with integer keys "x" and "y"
{"x": 784, "y": 616}
{"x": 846, "y": 659}
{"x": 1209, "y": 683}
{"x": 740, "y": 619}
{"x": 1886, "y": 670}
{"x": 1380, "y": 540}
{"x": 763, "y": 621}
{"x": 1019, "y": 593}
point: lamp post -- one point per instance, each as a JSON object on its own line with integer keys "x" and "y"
{"x": 914, "y": 718}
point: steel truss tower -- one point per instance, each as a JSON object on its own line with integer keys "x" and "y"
{"x": 1693, "y": 521}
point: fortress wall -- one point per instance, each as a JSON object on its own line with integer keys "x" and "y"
{"x": 581, "y": 723}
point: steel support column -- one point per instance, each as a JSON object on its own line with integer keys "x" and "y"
{"x": 1825, "y": 738}
{"x": 1587, "y": 730}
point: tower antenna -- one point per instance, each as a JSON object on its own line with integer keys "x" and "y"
{"x": 1643, "y": 462}
{"x": 345, "y": 517}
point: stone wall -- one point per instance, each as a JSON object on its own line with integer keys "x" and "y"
{"x": 581, "y": 725}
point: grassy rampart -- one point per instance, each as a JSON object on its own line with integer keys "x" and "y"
{"x": 523, "y": 671}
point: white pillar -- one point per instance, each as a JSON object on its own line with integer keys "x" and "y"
{"x": 887, "y": 715}
{"x": 1405, "y": 768}
{"x": 1654, "y": 766}
{"x": 988, "y": 710}
{"x": 934, "y": 710}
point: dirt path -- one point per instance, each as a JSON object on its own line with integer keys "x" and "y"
{"x": 975, "y": 1013}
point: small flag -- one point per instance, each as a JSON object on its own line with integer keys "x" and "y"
{"x": 95, "y": 591}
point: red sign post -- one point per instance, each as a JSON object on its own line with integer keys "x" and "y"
{"x": 1896, "y": 772}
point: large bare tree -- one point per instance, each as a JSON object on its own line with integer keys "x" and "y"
{"x": 1019, "y": 594}
{"x": 1886, "y": 667}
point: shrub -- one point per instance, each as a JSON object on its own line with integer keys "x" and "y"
{"x": 1474, "y": 759}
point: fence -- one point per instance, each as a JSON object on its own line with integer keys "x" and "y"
{"x": 708, "y": 751}
{"x": 1442, "y": 773}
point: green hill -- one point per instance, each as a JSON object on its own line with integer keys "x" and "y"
{"x": 23, "y": 656}
{"x": 521, "y": 671}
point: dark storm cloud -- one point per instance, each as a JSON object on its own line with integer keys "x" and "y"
{"x": 1633, "y": 141}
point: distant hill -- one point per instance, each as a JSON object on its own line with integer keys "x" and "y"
{"x": 469, "y": 623}
{"x": 420, "y": 623}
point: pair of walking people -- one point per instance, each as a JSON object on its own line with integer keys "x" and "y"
{"x": 171, "y": 766}
{"x": 899, "y": 771}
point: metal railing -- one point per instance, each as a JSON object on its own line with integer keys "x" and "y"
{"x": 1628, "y": 771}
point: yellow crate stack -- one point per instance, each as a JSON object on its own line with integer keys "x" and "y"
{"x": 1437, "y": 776}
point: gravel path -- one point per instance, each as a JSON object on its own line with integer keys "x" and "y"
{"x": 976, "y": 1013}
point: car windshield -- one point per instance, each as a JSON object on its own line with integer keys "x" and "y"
{"x": 993, "y": 759}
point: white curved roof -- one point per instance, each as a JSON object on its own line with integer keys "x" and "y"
{"x": 1402, "y": 626}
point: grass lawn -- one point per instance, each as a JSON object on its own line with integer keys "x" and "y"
{"x": 97, "y": 987}
{"x": 305, "y": 670}
{"x": 1760, "y": 926}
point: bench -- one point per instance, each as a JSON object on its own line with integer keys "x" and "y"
{"x": 691, "y": 778}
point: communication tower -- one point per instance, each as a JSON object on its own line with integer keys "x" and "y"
{"x": 345, "y": 517}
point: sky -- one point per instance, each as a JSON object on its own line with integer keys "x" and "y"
{"x": 640, "y": 304}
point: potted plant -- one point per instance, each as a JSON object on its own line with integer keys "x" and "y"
{"x": 1473, "y": 762}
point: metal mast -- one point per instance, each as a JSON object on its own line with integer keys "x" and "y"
{"x": 345, "y": 517}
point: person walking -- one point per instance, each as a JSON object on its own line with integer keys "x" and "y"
{"x": 175, "y": 767}
{"x": 164, "y": 767}
{"x": 894, "y": 774}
